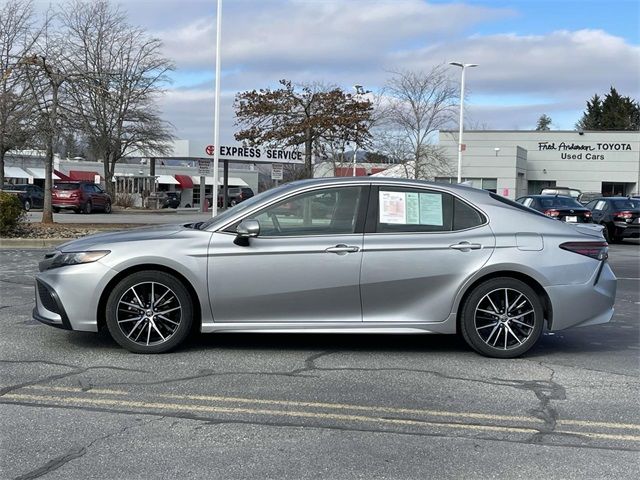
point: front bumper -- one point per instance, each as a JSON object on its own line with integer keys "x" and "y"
{"x": 68, "y": 297}
{"x": 589, "y": 303}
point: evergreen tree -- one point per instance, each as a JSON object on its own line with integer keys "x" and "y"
{"x": 544, "y": 123}
{"x": 615, "y": 112}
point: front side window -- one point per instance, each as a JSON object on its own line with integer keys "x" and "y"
{"x": 331, "y": 211}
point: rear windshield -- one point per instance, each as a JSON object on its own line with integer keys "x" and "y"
{"x": 66, "y": 186}
{"x": 15, "y": 187}
{"x": 513, "y": 204}
{"x": 559, "y": 202}
{"x": 627, "y": 203}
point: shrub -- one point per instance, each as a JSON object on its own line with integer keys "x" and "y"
{"x": 126, "y": 200}
{"x": 11, "y": 212}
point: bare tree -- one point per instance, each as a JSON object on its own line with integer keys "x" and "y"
{"x": 418, "y": 104}
{"x": 119, "y": 74}
{"x": 47, "y": 71}
{"x": 17, "y": 36}
{"x": 304, "y": 115}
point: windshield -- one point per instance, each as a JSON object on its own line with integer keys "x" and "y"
{"x": 246, "y": 205}
{"x": 626, "y": 204}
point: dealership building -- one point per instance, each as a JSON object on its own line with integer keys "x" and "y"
{"x": 514, "y": 163}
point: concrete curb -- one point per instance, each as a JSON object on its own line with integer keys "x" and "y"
{"x": 28, "y": 243}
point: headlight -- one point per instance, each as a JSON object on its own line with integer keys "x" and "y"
{"x": 76, "y": 258}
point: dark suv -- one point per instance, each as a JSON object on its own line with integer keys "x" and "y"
{"x": 80, "y": 197}
{"x": 31, "y": 196}
{"x": 620, "y": 217}
{"x": 235, "y": 195}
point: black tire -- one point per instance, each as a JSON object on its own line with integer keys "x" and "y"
{"x": 107, "y": 207}
{"x": 163, "y": 282}
{"x": 55, "y": 210}
{"x": 27, "y": 205}
{"x": 605, "y": 233}
{"x": 478, "y": 330}
{"x": 233, "y": 202}
{"x": 88, "y": 208}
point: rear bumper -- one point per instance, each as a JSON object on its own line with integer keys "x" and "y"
{"x": 61, "y": 203}
{"x": 589, "y": 303}
{"x": 629, "y": 231}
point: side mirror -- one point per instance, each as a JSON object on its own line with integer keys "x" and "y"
{"x": 248, "y": 229}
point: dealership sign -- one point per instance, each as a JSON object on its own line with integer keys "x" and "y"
{"x": 254, "y": 153}
{"x": 579, "y": 151}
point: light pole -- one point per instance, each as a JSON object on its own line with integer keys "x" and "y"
{"x": 216, "y": 116}
{"x": 359, "y": 91}
{"x": 464, "y": 66}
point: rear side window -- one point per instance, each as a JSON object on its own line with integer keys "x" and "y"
{"x": 413, "y": 210}
{"x": 67, "y": 186}
{"x": 465, "y": 216}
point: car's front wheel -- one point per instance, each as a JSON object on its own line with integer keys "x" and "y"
{"x": 502, "y": 318}
{"x": 107, "y": 207}
{"x": 27, "y": 205}
{"x": 149, "y": 312}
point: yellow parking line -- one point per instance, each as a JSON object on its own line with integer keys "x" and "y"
{"x": 254, "y": 411}
{"x": 300, "y": 414}
{"x": 342, "y": 406}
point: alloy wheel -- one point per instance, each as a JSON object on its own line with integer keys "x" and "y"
{"x": 149, "y": 313}
{"x": 504, "y": 318}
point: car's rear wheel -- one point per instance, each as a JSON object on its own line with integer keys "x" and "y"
{"x": 502, "y": 318}
{"x": 107, "y": 207}
{"x": 27, "y": 205}
{"x": 149, "y": 312}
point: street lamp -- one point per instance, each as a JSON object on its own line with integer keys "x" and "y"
{"x": 216, "y": 115}
{"x": 359, "y": 91}
{"x": 464, "y": 66}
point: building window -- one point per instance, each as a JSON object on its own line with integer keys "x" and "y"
{"x": 490, "y": 184}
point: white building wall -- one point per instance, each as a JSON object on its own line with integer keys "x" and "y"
{"x": 570, "y": 158}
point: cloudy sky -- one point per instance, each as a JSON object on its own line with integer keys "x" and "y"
{"x": 535, "y": 56}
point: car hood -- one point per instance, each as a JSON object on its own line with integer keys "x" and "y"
{"x": 131, "y": 235}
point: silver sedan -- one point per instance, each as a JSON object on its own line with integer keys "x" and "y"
{"x": 342, "y": 256}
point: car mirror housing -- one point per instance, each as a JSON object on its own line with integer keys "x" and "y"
{"x": 248, "y": 229}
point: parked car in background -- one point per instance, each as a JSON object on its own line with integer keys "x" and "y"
{"x": 565, "y": 209}
{"x": 235, "y": 195}
{"x": 171, "y": 200}
{"x": 80, "y": 197}
{"x": 370, "y": 255}
{"x": 619, "y": 215}
{"x": 31, "y": 196}
{"x": 564, "y": 191}
{"x": 586, "y": 197}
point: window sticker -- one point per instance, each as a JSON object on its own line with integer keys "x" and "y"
{"x": 410, "y": 208}
{"x": 431, "y": 209}
{"x": 392, "y": 207}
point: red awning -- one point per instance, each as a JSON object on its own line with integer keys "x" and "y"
{"x": 185, "y": 181}
{"x": 83, "y": 176}
{"x": 62, "y": 176}
{"x": 348, "y": 172}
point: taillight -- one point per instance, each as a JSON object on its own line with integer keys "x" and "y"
{"x": 623, "y": 214}
{"x": 595, "y": 250}
{"x": 73, "y": 195}
{"x": 552, "y": 213}
{"x": 587, "y": 214}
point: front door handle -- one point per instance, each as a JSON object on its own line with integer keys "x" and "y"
{"x": 466, "y": 246}
{"x": 341, "y": 249}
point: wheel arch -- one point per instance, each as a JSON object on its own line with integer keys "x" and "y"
{"x": 104, "y": 296}
{"x": 523, "y": 277}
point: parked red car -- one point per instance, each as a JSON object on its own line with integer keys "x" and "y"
{"x": 80, "y": 197}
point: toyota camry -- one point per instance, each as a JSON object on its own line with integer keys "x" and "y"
{"x": 350, "y": 255}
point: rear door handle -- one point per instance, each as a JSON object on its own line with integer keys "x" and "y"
{"x": 342, "y": 249}
{"x": 466, "y": 246}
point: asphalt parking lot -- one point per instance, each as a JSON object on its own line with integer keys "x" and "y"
{"x": 75, "y": 405}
